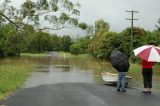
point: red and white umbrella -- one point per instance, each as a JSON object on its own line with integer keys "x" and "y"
{"x": 149, "y": 53}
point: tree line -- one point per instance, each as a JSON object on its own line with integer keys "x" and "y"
{"x": 22, "y": 30}
{"x": 99, "y": 43}
{"x": 103, "y": 41}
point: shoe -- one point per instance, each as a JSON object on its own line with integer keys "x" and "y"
{"x": 124, "y": 90}
{"x": 118, "y": 90}
{"x": 149, "y": 92}
{"x": 145, "y": 92}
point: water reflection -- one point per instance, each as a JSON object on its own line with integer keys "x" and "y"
{"x": 52, "y": 70}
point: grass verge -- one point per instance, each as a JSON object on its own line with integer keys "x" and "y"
{"x": 12, "y": 75}
{"x": 33, "y": 54}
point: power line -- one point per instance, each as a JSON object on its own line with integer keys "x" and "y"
{"x": 132, "y": 19}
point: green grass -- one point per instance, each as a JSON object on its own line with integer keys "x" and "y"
{"x": 135, "y": 71}
{"x": 33, "y": 54}
{"x": 61, "y": 54}
{"x": 12, "y": 75}
{"x": 67, "y": 54}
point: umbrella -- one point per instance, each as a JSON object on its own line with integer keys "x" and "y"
{"x": 119, "y": 61}
{"x": 149, "y": 53}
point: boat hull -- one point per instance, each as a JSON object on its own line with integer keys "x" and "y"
{"x": 112, "y": 79}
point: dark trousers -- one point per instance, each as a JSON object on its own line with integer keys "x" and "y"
{"x": 147, "y": 77}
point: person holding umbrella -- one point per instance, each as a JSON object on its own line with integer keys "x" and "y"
{"x": 120, "y": 62}
{"x": 149, "y": 54}
{"x": 147, "y": 75}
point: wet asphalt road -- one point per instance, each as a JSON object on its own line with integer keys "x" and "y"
{"x": 80, "y": 94}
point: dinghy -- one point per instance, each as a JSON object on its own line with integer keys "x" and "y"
{"x": 111, "y": 78}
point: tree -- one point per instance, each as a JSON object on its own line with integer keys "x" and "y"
{"x": 39, "y": 42}
{"x": 125, "y": 41}
{"x": 158, "y": 31}
{"x": 80, "y": 46}
{"x": 89, "y": 30}
{"x": 56, "y": 42}
{"x": 101, "y": 28}
{"x": 58, "y": 13}
{"x": 101, "y": 25}
{"x": 158, "y": 26}
{"x": 66, "y": 42}
{"x": 75, "y": 49}
{"x": 107, "y": 45}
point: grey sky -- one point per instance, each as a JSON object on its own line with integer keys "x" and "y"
{"x": 114, "y": 12}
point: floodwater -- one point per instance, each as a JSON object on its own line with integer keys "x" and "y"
{"x": 51, "y": 70}
{"x": 54, "y": 69}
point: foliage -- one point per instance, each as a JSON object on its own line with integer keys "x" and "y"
{"x": 101, "y": 31}
{"x": 75, "y": 49}
{"x": 13, "y": 73}
{"x": 80, "y": 46}
{"x": 137, "y": 40}
{"x": 158, "y": 26}
{"x": 89, "y": 30}
{"x": 39, "y": 42}
{"x": 107, "y": 45}
{"x": 83, "y": 26}
{"x": 66, "y": 42}
{"x": 59, "y": 13}
{"x": 12, "y": 42}
{"x": 101, "y": 25}
{"x": 56, "y": 42}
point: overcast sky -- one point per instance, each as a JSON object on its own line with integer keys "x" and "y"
{"x": 114, "y": 12}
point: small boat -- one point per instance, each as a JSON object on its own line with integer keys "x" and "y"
{"x": 111, "y": 78}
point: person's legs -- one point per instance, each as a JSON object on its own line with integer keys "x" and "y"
{"x": 123, "y": 74}
{"x": 145, "y": 80}
{"x": 150, "y": 80}
{"x": 119, "y": 81}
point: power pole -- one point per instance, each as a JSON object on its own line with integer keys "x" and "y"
{"x": 132, "y": 19}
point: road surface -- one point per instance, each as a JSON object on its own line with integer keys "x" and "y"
{"x": 80, "y": 94}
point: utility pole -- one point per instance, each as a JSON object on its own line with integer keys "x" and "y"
{"x": 132, "y": 19}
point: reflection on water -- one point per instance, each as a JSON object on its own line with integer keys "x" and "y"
{"x": 52, "y": 70}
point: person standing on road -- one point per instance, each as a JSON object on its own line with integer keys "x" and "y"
{"x": 121, "y": 77}
{"x": 147, "y": 75}
{"x": 120, "y": 62}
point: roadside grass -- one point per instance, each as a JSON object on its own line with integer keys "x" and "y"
{"x": 33, "y": 54}
{"x": 135, "y": 71}
{"x": 12, "y": 75}
{"x": 67, "y": 54}
{"x": 61, "y": 54}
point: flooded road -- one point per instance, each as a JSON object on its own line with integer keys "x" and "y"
{"x": 52, "y": 70}
{"x": 52, "y": 74}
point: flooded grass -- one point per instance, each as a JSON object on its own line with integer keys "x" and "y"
{"x": 33, "y": 54}
{"x": 13, "y": 72}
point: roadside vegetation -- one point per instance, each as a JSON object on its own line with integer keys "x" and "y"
{"x": 13, "y": 73}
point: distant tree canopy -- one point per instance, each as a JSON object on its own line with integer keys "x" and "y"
{"x": 66, "y": 42}
{"x": 104, "y": 41}
{"x": 97, "y": 42}
{"x": 80, "y": 46}
{"x": 158, "y": 26}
